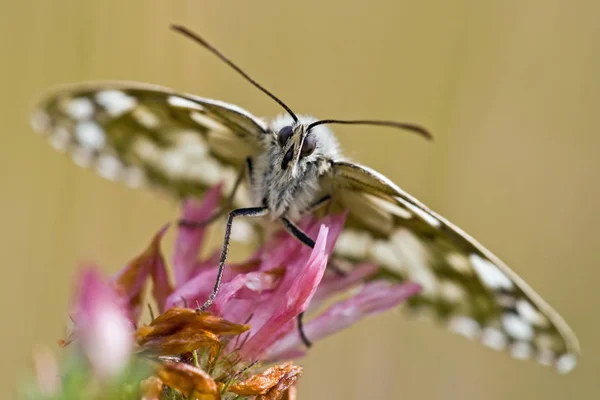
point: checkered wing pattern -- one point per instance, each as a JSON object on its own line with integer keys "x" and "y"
{"x": 148, "y": 135}
{"x": 464, "y": 285}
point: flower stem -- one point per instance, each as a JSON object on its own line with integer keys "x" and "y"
{"x": 196, "y": 362}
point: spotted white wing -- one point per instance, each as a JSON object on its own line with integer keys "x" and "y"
{"x": 465, "y": 286}
{"x": 142, "y": 134}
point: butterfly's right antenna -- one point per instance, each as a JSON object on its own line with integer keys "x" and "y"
{"x": 195, "y": 37}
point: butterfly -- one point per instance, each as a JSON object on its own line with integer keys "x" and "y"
{"x": 145, "y": 135}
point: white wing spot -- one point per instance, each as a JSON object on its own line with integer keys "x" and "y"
{"x": 134, "y": 177}
{"x": 115, "y": 102}
{"x": 82, "y": 157}
{"x": 424, "y": 215}
{"x": 207, "y": 170}
{"x": 516, "y": 327}
{"x": 174, "y": 163}
{"x": 79, "y": 108}
{"x": 191, "y": 143}
{"x": 521, "y": 350}
{"x": 415, "y": 257}
{"x": 545, "y": 357}
{"x": 145, "y": 117}
{"x": 177, "y": 101}
{"x": 464, "y": 326}
{"x": 494, "y": 338}
{"x": 459, "y": 262}
{"x": 90, "y": 135}
{"x": 109, "y": 167}
{"x": 451, "y": 291}
{"x": 392, "y": 208}
{"x": 146, "y": 149}
{"x": 566, "y": 363}
{"x": 530, "y": 314}
{"x": 207, "y": 122}
{"x": 354, "y": 244}
{"x": 382, "y": 252}
{"x": 40, "y": 121}
{"x": 424, "y": 314}
{"x": 60, "y": 139}
{"x": 427, "y": 279}
{"x": 490, "y": 274}
{"x": 506, "y": 300}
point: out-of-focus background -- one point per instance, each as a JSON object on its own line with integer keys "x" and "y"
{"x": 510, "y": 89}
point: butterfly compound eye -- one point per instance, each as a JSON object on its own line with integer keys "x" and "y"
{"x": 308, "y": 146}
{"x": 284, "y": 134}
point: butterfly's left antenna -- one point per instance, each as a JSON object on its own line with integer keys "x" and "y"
{"x": 195, "y": 37}
{"x": 392, "y": 124}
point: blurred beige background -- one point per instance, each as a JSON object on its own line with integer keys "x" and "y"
{"x": 510, "y": 89}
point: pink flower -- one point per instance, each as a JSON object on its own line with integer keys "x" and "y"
{"x": 264, "y": 295}
{"x": 47, "y": 372}
{"x": 283, "y": 279}
{"x": 102, "y": 324}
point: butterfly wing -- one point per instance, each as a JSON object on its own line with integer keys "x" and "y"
{"x": 464, "y": 285}
{"x": 144, "y": 134}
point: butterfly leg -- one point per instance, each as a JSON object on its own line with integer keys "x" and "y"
{"x": 240, "y": 212}
{"x": 223, "y": 209}
{"x": 296, "y": 232}
{"x": 301, "y": 332}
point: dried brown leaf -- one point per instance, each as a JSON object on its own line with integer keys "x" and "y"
{"x": 178, "y": 318}
{"x": 133, "y": 276}
{"x": 151, "y": 388}
{"x": 291, "y": 393}
{"x": 182, "y": 341}
{"x": 189, "y": 380}
{"x": 273, "y": 382}
{"x": 282, "y": 388}
{"x": 182, "y": 330}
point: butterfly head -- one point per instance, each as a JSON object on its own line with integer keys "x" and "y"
{"x": 299, "y": 144}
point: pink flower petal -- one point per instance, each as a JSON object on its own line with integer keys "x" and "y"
{"x": 204, "y": 265}
{"x": 245, "y": 286}
{"x": 47, "y": 372}
{"x": 131, "y": 280}
{"x": 240, "y": 297}
{"x": 374, "y": 298}
{"x": 289, "y": 299}
{"x": 102, "y": 324}
{"x": 161, "y": 287}
{"x": 335, "y": 223}
{"x": 195, "y": 291}
{"x": 333, "y": 283}
{"x": 189, "y": 239}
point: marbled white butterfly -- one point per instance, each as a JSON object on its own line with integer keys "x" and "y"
{"x": 148, "y": 135}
